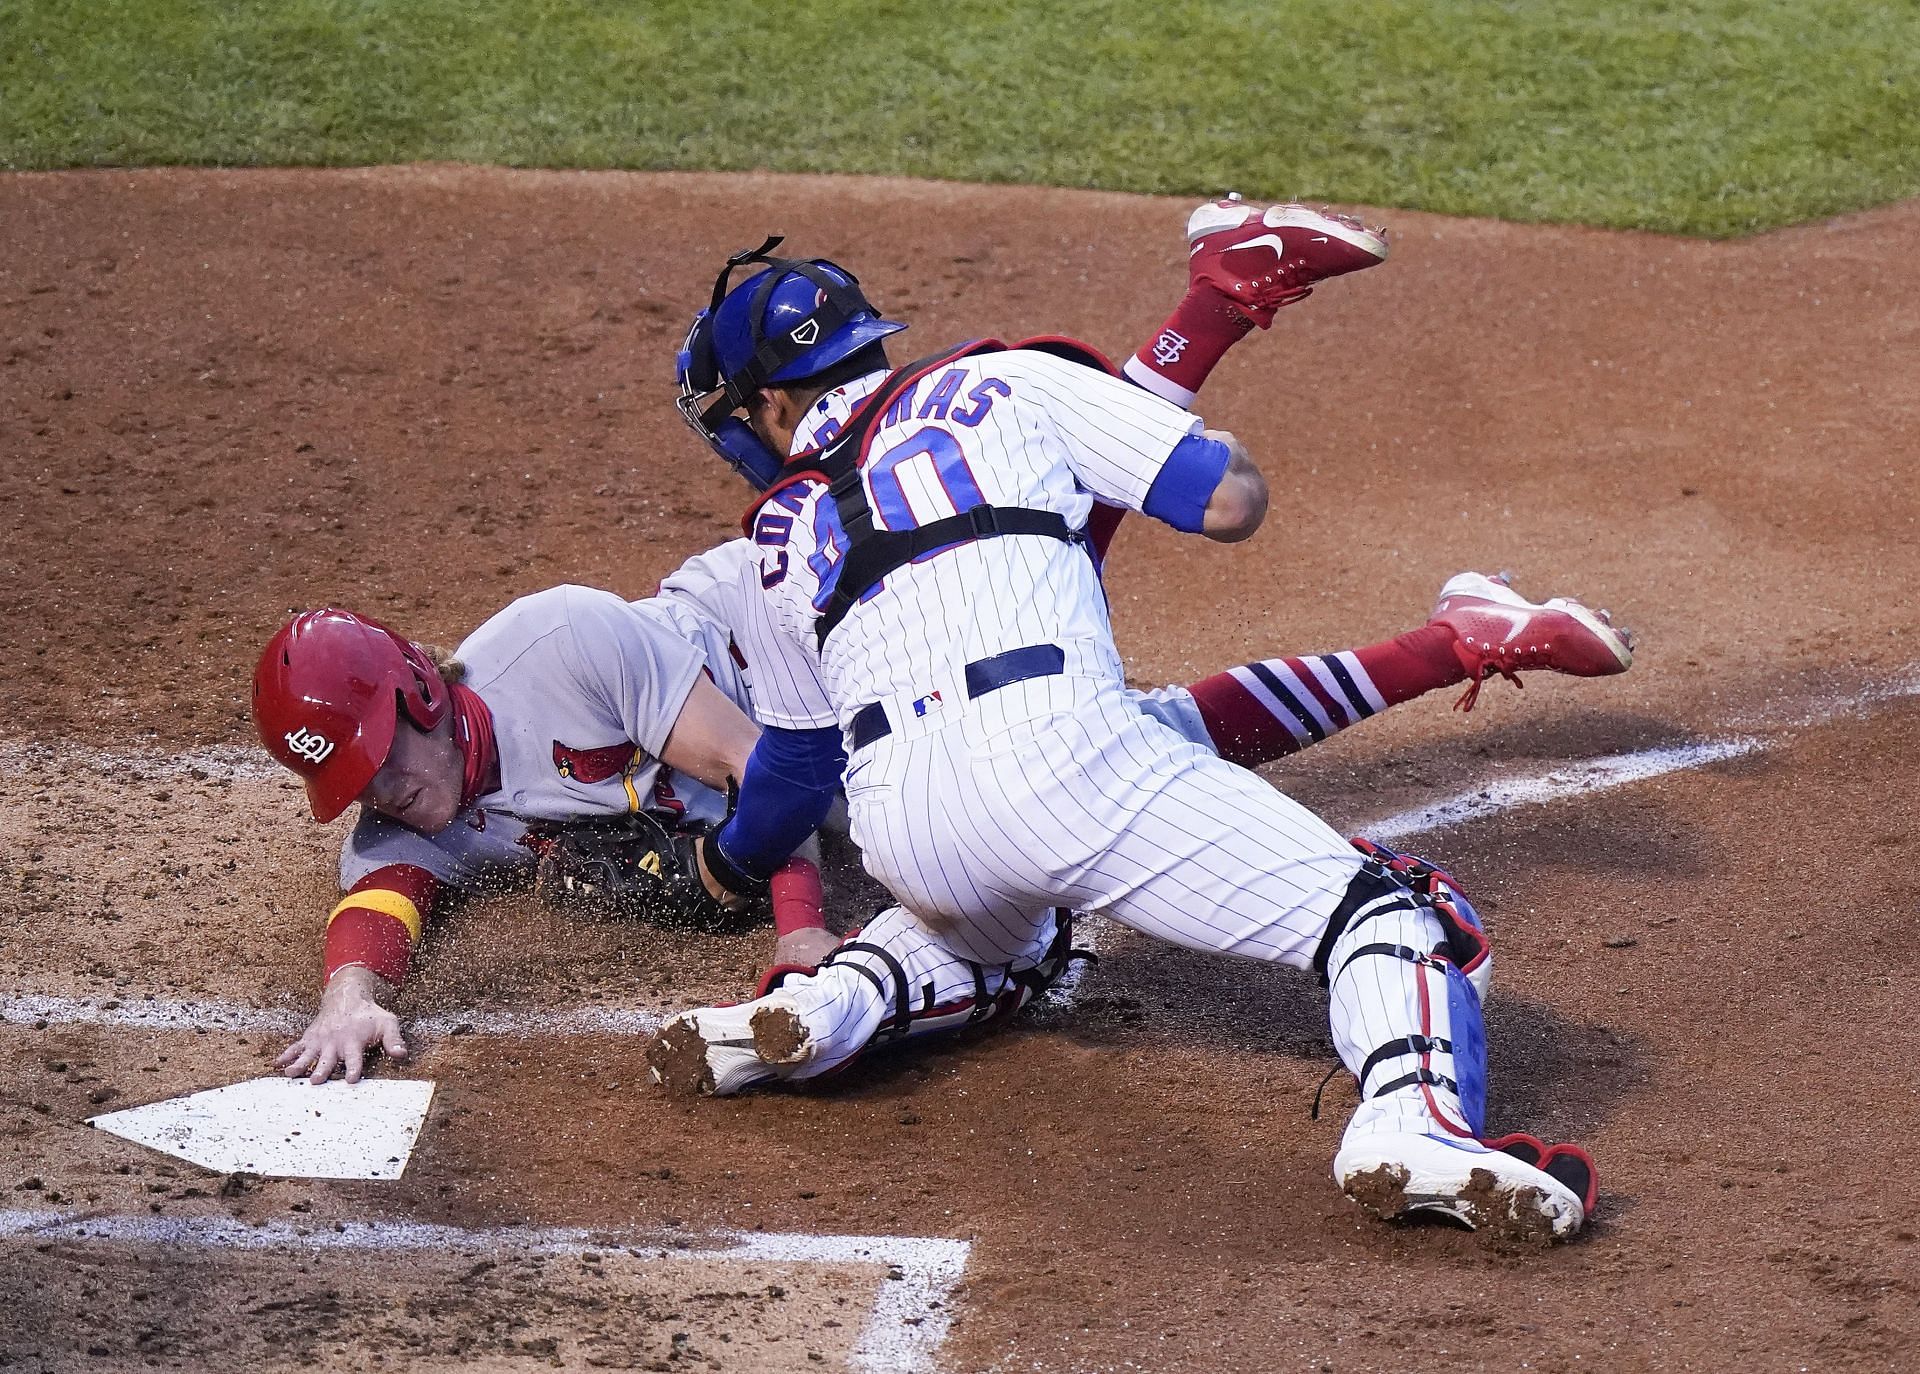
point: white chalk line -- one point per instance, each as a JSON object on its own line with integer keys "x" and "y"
{"x": 1570, "y": 780}
{"x": 30, "y": 1009}
{"x": 226, "y": 762}
{"x": 1580, "y": 779}
{"x": 1560, "y": 783}
{"x": 905, "y": 1330}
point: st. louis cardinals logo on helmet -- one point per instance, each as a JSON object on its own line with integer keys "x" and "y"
{"x": 310, "y": 745}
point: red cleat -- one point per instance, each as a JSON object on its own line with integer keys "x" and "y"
{"x": 1497, "y": 630}
{"x": 1264, "y": 259}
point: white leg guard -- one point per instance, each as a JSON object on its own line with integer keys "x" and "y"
{"x": 887, "y": 982}
{"x": 1407, "y": 1023}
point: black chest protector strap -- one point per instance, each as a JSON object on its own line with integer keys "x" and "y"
{"x": 873, "y": 553}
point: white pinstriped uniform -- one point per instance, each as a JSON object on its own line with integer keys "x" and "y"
{"x": 1055, "y": 787}
{"x": 983, "y": 815}
{"x": 722, "y": 584}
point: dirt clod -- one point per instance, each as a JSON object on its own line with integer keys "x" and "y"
{"x": 678, "y": 1058}
{"x": 780, "y": 1037}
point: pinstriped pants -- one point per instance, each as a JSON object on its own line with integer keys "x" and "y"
{"x": 980, "y": 825}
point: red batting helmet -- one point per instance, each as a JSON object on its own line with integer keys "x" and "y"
{"x": 327, "y": 696}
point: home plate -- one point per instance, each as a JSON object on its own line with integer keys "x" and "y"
{"x": 286, "y": 1127}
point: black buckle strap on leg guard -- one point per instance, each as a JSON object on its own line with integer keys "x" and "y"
{"x": 1369, "y": 885}
{"x": 895, "y": 1026}
{"x": 1394, "y": 1049}
{"x": 1406, "y": 952}
{"x": 1060, "y": 956}
{"x": 982, "y": 1004}
{"x": 1468, "y": 943}
{"x": 1423, "y": 1075}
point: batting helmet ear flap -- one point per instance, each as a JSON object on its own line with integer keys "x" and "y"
{"x": 425, "y": 702}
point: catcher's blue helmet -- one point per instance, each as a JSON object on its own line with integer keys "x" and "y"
{"x": 785, "y": 323}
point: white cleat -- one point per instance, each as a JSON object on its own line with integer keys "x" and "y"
{"x": 1393, "y": 1174}
{"x": 718, "y": 1051}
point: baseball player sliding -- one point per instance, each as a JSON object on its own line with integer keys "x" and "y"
{"x": 925, "y": 581}
{"x": 573, "y": 734}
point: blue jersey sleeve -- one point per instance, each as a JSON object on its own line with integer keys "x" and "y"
{"x": 792, "y": 777}
{"x": 1180, "y": 492}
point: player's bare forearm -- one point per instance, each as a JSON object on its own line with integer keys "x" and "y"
{"x": 351, "y": 1021}
{"x": 805, "y": 948}
{"x": 711, "y": 739}
{"x": 1238, "y": 505}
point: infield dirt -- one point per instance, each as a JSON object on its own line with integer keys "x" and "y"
{"x": 420, "y": 392}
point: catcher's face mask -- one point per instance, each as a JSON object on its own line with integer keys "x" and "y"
{"x": 791, "y": 320}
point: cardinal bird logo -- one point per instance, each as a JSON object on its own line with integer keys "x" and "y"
{"x": 593, "y": 765}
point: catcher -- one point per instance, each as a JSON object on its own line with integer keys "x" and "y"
{"x": 999, "y": 770}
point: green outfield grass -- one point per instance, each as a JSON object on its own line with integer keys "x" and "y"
{"x": 1698, "y": 116}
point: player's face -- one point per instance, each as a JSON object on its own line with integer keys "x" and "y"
{"x": 772, "y": 415}
{"x": 419, "y": 784}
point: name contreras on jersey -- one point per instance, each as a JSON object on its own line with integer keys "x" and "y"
{"x": 939, "y": 402}
{"x": 1023, "y": 428}
{"x": 900, "y": 501}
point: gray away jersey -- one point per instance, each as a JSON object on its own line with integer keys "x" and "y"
{"x": 584, "y": 689}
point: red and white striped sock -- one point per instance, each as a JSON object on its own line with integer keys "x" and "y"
{"x": 1263, "y": 711}
{"x": 1174, "y": 363}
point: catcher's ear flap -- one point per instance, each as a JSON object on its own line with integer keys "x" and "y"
{"x": 745, "y": 452}
{"x": 695, "y": 365}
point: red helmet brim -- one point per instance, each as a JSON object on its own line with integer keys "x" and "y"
{"x": 342, "y": 778}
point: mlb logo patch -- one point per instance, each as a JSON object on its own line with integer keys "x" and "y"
{"x": 929, "y": 702}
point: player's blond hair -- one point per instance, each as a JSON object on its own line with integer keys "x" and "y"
{"x": 452, "y": 670}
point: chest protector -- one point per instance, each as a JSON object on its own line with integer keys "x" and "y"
{"x": 873, "y": 553}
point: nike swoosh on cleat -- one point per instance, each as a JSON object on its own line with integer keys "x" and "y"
{"x": 1273, "y": 241}
{"x": 1516, "y": 619}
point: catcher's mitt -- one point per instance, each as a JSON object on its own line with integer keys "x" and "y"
{"x": 628, "y": 866}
